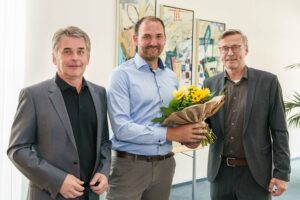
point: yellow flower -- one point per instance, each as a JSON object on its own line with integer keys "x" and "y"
{"x": 192, "y": 88}
{"x": 182, "y": 103}
{"x": 199, "y": 94}
{"x": 178, "y": 94}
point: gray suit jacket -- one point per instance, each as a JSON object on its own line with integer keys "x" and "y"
{"x": 265, "y": 135}
{"x": 42, "y": 145}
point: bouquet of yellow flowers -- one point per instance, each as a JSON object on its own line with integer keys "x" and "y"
{"x": 190, "y": 105}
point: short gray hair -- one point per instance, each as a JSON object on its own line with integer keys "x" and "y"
{"x": 70, "y": 31}
{"x": 235, "y": 32}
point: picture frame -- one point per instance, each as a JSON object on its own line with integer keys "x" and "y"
{"x": 207, "y": 59}
{"x": 128, "y": 13}
{"x": 178, "y": 51}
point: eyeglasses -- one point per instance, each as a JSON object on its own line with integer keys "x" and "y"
{"x": 234, "y": 49}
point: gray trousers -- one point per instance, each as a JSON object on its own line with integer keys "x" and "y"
{"x": 140, "y": 180}
{"x": 237, "y": 183}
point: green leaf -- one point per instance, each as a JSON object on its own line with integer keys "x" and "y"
{"x": 157, "y": 120}
{"x": 294, "y": 120}
{"x": 166, "y": 111}
{"x": 293, "y": 104}
{"x": 293, "y": 66}
{"x": 174, "y": 104}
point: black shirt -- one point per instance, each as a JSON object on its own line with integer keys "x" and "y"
{"x": 235, "y": 106}
{"x": 82, "y": 115}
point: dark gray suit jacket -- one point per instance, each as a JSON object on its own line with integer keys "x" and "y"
{"x": 42, "y": 145}
{"x": 265, "y": 135}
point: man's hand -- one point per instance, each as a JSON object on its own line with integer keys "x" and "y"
{"x": 191, "y": 145}
{"x": 277, "y": 186}
{"x": 99, "y": 183}
{"x": 188, "y": 133}
{"x": 71, "y": 187}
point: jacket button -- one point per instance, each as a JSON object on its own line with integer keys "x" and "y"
{"x": 75, "y": 163}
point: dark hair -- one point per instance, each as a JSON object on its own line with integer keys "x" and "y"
{"x": 234, "y": 32}
{"x": 70, "y": 31}
{"x": 148, "y": 18}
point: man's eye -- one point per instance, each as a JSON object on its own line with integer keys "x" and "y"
{"x": 82, "y": 52}
{"x": 226, "y": 48}
{"x": 66, "y": 51}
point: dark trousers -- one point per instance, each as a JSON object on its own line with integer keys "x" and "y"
{"x": 237, "y": 183}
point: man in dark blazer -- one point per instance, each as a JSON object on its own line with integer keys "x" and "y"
{"x": 250, "y": 159}
{"x": 59, "y": 137}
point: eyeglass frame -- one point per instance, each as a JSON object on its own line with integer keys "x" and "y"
{"x": 234, "y": 49}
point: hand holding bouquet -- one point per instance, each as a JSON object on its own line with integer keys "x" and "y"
{"x": 191, "y": 105}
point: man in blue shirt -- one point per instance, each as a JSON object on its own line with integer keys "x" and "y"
{"x": 143, "y": 166}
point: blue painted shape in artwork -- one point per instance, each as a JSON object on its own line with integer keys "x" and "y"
{"x": 120, "y": 55}
{"x": 206, "y": 40}
{"x": 168, "y": 59}
{"x": 207, "y": 37}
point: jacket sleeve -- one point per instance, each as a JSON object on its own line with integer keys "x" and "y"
{"x": 280, "y": 136}
{"x": 22, "y": 151}
{"x": 105, "y": 150}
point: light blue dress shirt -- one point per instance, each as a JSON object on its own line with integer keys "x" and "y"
{"x": 135, "y": 95}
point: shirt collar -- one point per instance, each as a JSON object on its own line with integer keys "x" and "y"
{"x": 140, "y": 62}
{"x": 63, "y": 85}
{"x": 245, "y": 74}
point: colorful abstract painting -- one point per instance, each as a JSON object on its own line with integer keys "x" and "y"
{"x": 128, "y": 13}
{"x": 207, "y": 53}
{"x": 178, "y": 51}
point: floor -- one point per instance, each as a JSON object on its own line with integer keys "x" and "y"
{"x": 184, "y": 192}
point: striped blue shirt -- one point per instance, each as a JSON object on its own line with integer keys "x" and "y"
{"x": 135, "y": 94}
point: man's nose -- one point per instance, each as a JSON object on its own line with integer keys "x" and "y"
{"x": 75, "y": 56}
{"x": 230, "y": 52}
{"x": 153, "y": 42}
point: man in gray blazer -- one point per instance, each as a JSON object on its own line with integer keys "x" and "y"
{"x": 59, "y": 137}
{"x": 250, "y": 159}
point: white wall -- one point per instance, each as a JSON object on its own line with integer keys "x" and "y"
{"x": 272, "y": 27}
{"x": 45, "y": 17}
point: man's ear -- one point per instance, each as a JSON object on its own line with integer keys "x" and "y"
{"x": 53, "y": 59}
{"x": 135, "y": 39}
{"x": 246, "y": 49}
{"x": 89, "y": 55}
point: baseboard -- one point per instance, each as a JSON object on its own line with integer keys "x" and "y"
{"x": 188, "y": 182}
